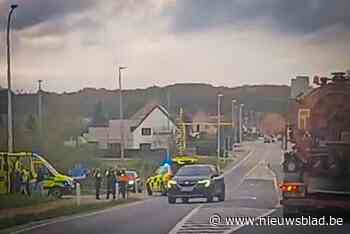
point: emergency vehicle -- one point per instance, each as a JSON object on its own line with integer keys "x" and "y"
{"x": 40, "y": 170}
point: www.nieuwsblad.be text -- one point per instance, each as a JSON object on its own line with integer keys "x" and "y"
{"x": 218, "y": 220}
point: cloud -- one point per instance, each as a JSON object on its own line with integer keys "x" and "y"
{"x": 283, "y": 15}
{"x": 33, "y": 12}
{"x": 166, "y": 41}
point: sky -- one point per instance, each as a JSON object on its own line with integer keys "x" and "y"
{"x": 72, "y": 44}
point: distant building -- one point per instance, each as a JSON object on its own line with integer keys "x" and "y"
{"x": 201, "y": 118}
{"x": 149, "y": 128}
{"x": 299, "y": 86}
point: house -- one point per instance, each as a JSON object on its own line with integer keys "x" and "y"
{"x": 149, "y": 128}
{"x": 206, "y": 124}
{"x": 152, "y": 128}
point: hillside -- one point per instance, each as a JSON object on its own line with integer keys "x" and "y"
{"x": 192, "y": 97}
{"x": 64, "y": 114}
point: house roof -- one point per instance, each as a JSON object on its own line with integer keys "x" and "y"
{"x": 140, "y": 116}
{"x": 141, "y": 113}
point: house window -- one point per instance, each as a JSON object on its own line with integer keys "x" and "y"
{"x": 146, "y": 131}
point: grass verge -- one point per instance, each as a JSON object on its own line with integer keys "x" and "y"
{"x": 61, "y": 211}
{"x": 20, "y": 200}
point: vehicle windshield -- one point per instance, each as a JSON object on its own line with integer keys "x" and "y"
{"x": 131, "y": 173}
{"x": 194, "y": 171}
{"x": 49, "y": 167}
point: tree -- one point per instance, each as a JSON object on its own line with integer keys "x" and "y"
{"x": 99, "y": 118}
{"x": 31, "y": 124}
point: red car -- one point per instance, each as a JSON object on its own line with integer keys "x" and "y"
{"x": 134, "y": 182}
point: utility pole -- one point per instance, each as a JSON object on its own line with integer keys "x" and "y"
{"x": 169, "y": 132}
{"x": 240, "y": 123}
{"x": 168, "y": 106}
{"x": 219, "y": 123}
{"x": 9, "y": 92}
{"x": 121, "y": 114}
{"x": 40, "y": 105}
{"x": 234, "y": 134}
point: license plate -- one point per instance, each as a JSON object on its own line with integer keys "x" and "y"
{"x": 186, "y": 189}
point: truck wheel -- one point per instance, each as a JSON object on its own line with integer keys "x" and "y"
{"x": 171, "y": 200}
{"x": 55, "y": 192}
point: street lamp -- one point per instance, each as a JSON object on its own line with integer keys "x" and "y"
{"x": 240, "y": 122}
{"x": 121, "y": 114}
{"x": 9, "y": 94}
{"x": 234, "y": 134}
{"x": 219, "y": 122}
{"x": 40, "y": 114}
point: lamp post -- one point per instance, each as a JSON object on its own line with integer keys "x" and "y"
{"x": 121, "y": 114}
{"x": 9, "y": 93}
{"x": 240, "y": 122}
{"x": 219, "y": 123}
{"x": 40, "y": 112}
{"x": 234, "y": 134}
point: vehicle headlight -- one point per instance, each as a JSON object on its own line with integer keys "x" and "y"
{"x": 68, "y": 183}
{"x": 171, "y": 183}
{"x": 131, "y": 182}
{"x": 206, "y": 183}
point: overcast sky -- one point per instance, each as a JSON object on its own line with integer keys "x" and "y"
{"x": 72, "y": 44}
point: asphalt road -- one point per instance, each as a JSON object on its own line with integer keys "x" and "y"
{"x": 250, "y": 191}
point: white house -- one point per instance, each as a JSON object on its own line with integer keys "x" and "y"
{"x": 153, "y": 130}
{"x": 151, "y": 127}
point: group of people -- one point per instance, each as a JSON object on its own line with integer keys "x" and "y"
{"x": 115, "y": 179}
{"x": 21, "y": 179}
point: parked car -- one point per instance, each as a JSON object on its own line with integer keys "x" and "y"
{"x": 196, "y": 181}
{"x": 267, "y": 140}
{"x": 134, "y": 184}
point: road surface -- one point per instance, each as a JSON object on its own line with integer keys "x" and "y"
{"x": 250, "y": 191}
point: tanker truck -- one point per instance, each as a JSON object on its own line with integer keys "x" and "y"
{"x": 317, "y": 165}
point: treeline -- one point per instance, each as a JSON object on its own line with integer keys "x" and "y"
{"x": 65, "y": 115}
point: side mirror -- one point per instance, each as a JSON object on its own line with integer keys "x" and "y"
{"x": 214, "y": 176}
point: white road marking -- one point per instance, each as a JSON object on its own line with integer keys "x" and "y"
{"x": 268, "y": 212}
{"x": 193, "y": 226}
{"x": 240, "y": 226}
{"x": 245, "y": 197}
{"x": 240, "y": 162}
{"x": 179, "y": 225}
{"x": 70, "y": 218}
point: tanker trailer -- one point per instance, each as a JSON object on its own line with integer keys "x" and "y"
{"x": 317, "y": 168}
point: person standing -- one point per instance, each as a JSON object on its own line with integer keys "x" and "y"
{"x": 98, "y": 182}
{"x": 114, "y": 183}
{"x": 123, "y": 181}
{"x": 25, "y": 182}
{"x": 109, "y": 182}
